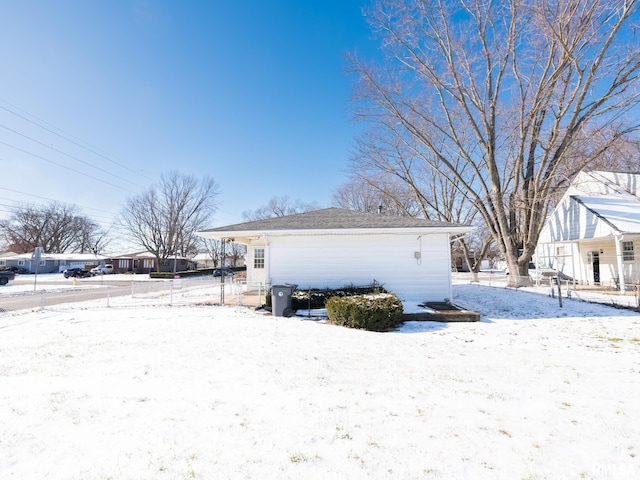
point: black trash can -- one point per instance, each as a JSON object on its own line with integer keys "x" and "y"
{"x": 281, "y": 300}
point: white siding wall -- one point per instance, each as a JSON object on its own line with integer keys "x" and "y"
{"x": 338, "y": 260}
{"x": 576, "y": 262}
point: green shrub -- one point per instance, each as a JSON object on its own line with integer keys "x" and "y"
{"x": 183, "y": 274}
{"x": 379, "y": 313}
{"x": 308, "y": 298}
{"x": 317, "y": 297}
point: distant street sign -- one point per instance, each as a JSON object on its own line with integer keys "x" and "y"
{"x": 37, "y": 255}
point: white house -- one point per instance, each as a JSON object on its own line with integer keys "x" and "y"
{"x": 335, "y": 247}
{"x": 593, "y": 235}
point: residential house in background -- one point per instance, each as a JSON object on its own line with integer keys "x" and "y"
{"x": 593, "y": 235}
{"x": 51, "y": 262}
{"x": 145, "y": 262}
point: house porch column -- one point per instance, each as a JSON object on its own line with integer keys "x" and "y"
{"x": 621, "y": 280}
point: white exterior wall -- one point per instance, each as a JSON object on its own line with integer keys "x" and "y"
{"x": 334, "y": 260}
{"x": 576, "y": 261}
{"x": 561, "y": 257}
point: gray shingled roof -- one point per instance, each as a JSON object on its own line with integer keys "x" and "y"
{"x": 332, "y": 219}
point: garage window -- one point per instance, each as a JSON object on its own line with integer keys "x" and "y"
{"x": 258, "y": 258}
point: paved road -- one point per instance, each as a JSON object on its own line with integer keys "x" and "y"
{"x": 42, "y": 298}
{"x": 54, "y": 291}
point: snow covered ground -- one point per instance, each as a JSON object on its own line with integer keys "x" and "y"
{"x": 139, "y": 392}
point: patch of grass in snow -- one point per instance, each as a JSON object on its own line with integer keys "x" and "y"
{"x": 343, "y": 435}
{"x": 359, "y": 458}
{"x": 298, "y": 458}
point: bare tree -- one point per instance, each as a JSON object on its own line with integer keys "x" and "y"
{"x": 164, "y": 218}
{"x": 278, "y": 207}
{"x": 213, "y": 249}
{"x": 237, "y": 251}
{"x": 508, "y": 88}
{"x": 370, "y": 193}
{"x": 56, "y": 227}
{"x": 410, "y": 179}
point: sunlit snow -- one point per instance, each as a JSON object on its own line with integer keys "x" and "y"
{"x": 138, "y": 392}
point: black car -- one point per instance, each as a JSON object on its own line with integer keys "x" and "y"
{"x": 14, "y": 269}
{"x": 76, "y": 272}
{"x": 227, "y": 272}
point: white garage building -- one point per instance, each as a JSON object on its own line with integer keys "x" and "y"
{"x": 335, "y": 247}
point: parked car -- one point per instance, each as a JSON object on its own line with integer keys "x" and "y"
{"x": 5, "y": 276}
{"x": 76, "y": 272}
{"x": 14, "y": 269}
{"x": 102, "y": 270}
{"x": 227, "y": 272}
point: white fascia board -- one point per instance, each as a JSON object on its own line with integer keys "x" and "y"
{"x": 240, "y": 235}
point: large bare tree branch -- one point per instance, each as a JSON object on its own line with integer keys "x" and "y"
{"x": 507, "y": 88}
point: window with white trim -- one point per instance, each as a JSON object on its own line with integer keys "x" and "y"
{"x": 628, "y": 253}
{"x": 258, "y": 258}
{"x": 21, "y": 263}
{"x": 3, "y": 263}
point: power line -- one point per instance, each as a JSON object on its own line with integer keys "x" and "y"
{"x": 68, "y": 139}
{"x": 61, "y": 166}
{"x": 50, "y": 200}
{"x": 105, "y": 217}
{"x": 64, "y": 153}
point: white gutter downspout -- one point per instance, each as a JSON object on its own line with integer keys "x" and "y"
{"x": 621, "y": 280}
{"x": 575, "y": 258}
{"x": 448, "y": 270}
{"x": 267, "y": 261}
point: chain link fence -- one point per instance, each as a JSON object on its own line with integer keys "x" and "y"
{"x": 179, "y": 291}
{"x": 560, "y": 288}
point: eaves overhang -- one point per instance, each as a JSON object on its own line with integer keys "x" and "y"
{"x": 247, "y": 235}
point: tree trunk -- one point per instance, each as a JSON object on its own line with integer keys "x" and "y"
{"x": 521, "y": 278}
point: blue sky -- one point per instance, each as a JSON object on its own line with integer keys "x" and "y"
{"x": 97, "y": 99}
